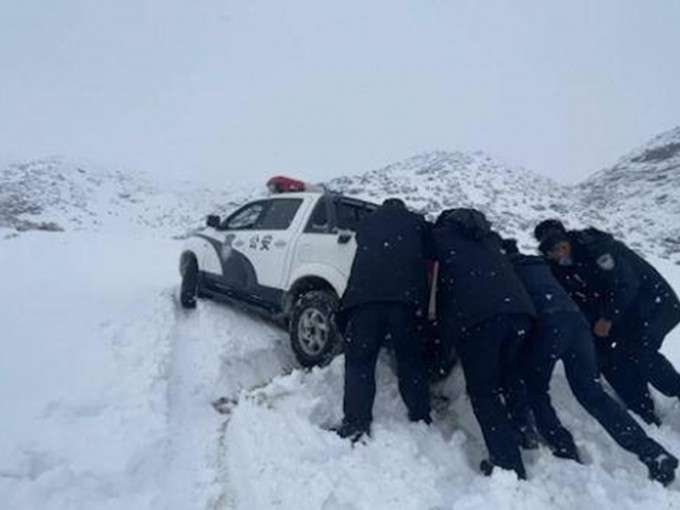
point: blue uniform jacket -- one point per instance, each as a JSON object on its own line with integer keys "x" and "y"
{"x": 546, "y": 292}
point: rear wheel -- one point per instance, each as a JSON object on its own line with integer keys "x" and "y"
{"x": 313, "y": 333}
{"x": 189, "y": 287}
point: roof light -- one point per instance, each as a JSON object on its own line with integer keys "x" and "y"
{"x": 282, "y": 184}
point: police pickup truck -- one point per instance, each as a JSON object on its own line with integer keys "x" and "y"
{"x": 289, "y": 254}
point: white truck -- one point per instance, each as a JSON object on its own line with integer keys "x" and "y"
{"x": 289, "y": 254}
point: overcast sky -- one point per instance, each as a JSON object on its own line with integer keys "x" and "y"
{"x": 237, "y": 90}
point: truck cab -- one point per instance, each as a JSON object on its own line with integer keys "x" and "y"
{"x": 289, "y": 254}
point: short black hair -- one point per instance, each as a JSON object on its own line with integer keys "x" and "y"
{"x": 471, "y": 222}
{"x": 394, "y": 202}
{"x": 551, "y": 240}
{"x": 547, "y": 227}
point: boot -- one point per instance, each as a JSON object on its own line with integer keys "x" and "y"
{"x": 562, "y": 444}
{"x": 527, "y": 438}
{"x": 649, "y": 417}
{"x": 352, "y": 431}
{"x": 662, "y": 468}
{"x": 426, "y": 419}
{"x": 569, "y": 454}
{"x": 487, "y": 467}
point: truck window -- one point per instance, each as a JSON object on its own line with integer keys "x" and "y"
{"x": 365, "y": 210}
{"x": 245, "y": 218}
{"x": 347, "y": 215}
{"x": 318, "y": 221}
{"x": 279, "y": 214}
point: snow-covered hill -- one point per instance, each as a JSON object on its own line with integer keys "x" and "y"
{"x": 59, "y": 194}
{"x": 515, "y": 199}
{"x": 639, "y": 197}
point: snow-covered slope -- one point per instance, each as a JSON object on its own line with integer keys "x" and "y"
{"x": 639, "y": 197}
{"x": 59, "y": 194}
{"x": 515, "y": 199}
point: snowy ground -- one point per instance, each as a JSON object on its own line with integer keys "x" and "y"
{"x": 106, "y": 385}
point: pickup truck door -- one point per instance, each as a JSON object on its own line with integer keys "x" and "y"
{"x": 269, "y": 246}
{"x": 328, "y": 238}
{"x": 346, "y": 213}
{"x": 255, "y": 248}
{"x": 227, "y": 266}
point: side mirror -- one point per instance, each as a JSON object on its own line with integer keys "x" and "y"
{"x": 213, "y": 221}
{"x": 344, "y": 238}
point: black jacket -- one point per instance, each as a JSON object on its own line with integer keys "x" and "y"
{"x": 545, "y": 291}
{"x": 615, "y": 282}
{"x": 476, "y": 280}
{"x": 389, "y": 265}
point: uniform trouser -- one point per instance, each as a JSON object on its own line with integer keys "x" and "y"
{"x": 370, "y": 326}
{"x": 488, "y": 353}
{"x": 630, "y": 359}
{"x": 566, "y": 336}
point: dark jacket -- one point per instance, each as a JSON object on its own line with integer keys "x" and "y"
{"x": 389, "y": 265}
{"x": 545, "y": 291}
{"x": 615, "y": 282}
{"x": 476, "y": 280}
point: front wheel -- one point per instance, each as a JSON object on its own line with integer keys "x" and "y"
{"x": 313, "y": 333}
{"x": 189, "y": 287}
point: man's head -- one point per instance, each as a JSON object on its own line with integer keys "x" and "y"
{"x": 547, "y": 227}
{"x": 394, "y": 202}
{"x": 557, "y": 248}
{"x": 471, "y": 222}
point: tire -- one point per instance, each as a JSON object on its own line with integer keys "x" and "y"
{"x": 189, "y": 288}
{"x": 313, "y": 334}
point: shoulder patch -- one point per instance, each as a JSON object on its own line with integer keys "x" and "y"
{"x": 606, "y": 262}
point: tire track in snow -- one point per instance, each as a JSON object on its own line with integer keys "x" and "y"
{"x": 216, "y": 351}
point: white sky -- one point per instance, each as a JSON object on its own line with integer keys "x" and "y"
{"x": 237, "y": 90}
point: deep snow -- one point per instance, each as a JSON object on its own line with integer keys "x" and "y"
{"x": 106, "y": 388}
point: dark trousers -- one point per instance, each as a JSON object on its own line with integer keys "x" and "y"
{"x": 567, "y": 336}
{"x": 371, "y": 326}
{"x": 488, "y": 353}
{"x": 630, "y": 360}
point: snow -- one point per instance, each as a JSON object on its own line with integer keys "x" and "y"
{"x": 638, "y": 196}
{"x": 68, "y": 194}
{"x": 281, "y": 457}
{"x": 637, "y": 199}
{"x": 106, "y": 384}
